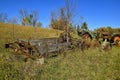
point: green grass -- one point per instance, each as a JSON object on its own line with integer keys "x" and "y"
{"x": 75, "y": 65}
{"x": 91, "y": 65}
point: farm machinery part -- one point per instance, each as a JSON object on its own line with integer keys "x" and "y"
{"x": 35, "y": 48}
{"x": 115, "y": 39}
{"x": 22, "y": 47}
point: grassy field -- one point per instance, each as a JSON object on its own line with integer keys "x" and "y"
{"x": 75, "y": 65}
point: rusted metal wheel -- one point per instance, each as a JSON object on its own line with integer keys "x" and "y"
{"x": 116, "y": 39}
{"x": 88, "y": 39}
{"x": 86, "y": 35}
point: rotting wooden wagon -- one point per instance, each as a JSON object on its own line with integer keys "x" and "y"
{"x": 44, "y": 47}
{"x": 37, "y": 47}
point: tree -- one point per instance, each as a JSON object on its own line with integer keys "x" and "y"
{"x": 84, "y": 25}
{"x": 39, "y": 24}
{"x": 70, "y": 14}
{"x": 65, "y": 17}
{"x": 34, "y": 18}
{"x": 24, "y": 17}
{"x": 3, "y": 17}
{"x": 23, "y": 13}
{"x": 26, "y": 21}
{"x": 58, "y": 22}
{"x": 54, "y": 21}
{"x": 30, "y": 19}
{"x": 78, "y": 27}
{"x": 14, "y": 20}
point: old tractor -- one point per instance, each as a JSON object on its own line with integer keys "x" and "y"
{"x": 113, "y": 38}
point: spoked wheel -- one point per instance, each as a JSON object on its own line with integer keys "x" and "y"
{"x": 88, "y": 38}
{"x": 116, "y": 39}
{"x": 86, "y": 35}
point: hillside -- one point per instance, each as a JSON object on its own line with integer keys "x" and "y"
{"x": 75, "y": 65}
{"x": 26, "y": 32}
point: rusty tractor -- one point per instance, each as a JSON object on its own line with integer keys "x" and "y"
{"x": 113, "y": 38}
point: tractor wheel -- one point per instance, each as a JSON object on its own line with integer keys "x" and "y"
{"x": 116, "y": 39}
{"x": 86, "y": 35}
{"x": 88, "y": 39}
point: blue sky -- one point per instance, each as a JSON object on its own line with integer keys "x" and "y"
{"x": 96, "y": 13}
